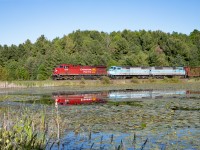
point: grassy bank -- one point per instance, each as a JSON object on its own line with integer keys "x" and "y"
{"x": 104, "y": 82}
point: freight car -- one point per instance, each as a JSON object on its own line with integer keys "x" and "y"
{"x": 68, "y": 71}
{"x": 192, "y": 71}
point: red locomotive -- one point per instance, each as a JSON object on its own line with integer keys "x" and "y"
{"x": 68, "y": 71}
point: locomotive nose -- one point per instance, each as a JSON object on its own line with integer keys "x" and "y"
{"x": 110, "y": 72}
{"x": 55, "y": 71}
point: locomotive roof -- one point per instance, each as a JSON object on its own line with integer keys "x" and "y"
{"x": 99, "y": 66}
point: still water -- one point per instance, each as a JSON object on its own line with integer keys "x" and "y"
{"x": 112, "y": 119}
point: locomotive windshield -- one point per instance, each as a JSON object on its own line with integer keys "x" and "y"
{"x": 112, "y": 68}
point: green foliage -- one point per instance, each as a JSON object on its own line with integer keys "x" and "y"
{"x": 3, "y": 74}
{"x": 143, "y": 125}
{"x": 22, "y": 73}
{"x": 35, "y": 61}
{"x": 12, "y": 66}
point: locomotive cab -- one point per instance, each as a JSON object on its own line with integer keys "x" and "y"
{"x": 114, "y": 71}
{"x": 60, "y": 70}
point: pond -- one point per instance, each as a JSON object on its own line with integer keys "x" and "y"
{"x": 113, "y": 118}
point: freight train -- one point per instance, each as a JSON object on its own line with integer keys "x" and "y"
{"x": 70, "y": 72}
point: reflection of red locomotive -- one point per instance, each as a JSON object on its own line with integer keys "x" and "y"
{"x": 77, "y": 99}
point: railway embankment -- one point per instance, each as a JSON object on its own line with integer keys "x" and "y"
{"x": 96, "y": 83}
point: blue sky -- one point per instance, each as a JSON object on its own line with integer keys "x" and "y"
{"x": 29, "y": 19}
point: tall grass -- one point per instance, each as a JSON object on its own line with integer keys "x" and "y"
{"x": 21, "y": 135}
{"x": 171, "y": 80}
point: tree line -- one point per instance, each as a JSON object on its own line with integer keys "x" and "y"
{"x": 35, "y": 61}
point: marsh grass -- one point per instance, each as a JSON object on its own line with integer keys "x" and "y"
{"x": 172, "y": 80}
{"x": 104, "y": 81}
{"x": 21, "y": 135}
{"x": 130, "y": 103}
{"x": 3, "y": 97}
{"x": 30, "y": 131}
{"x": 33, "y": 127}
{"x": 26, "y": 128}
{"x": 52, "y": 83}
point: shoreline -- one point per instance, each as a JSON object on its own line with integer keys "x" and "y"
{"x": 92, "y": 83}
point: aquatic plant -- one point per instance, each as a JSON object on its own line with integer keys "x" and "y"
{"x": 22, "y": 136}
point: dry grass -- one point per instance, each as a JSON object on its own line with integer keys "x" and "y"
{"x": 92, "y": 83}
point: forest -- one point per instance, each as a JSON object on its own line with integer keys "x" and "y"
{"x": 35, "y": 61}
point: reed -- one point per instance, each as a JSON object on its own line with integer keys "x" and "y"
{"x": 21, "y": 136}
{"x": 26, "y": 131}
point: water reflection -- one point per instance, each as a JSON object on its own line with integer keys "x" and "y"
{"x": 140, "y": 94}
{"x": 131, "y": 141}
{"x": 75, "y": 98}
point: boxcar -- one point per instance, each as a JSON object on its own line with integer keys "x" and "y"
{"x": 192, "y": 71}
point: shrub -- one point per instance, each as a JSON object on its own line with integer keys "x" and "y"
{"x": 105, "y": 80}
{"x": 171, "y": 80}
{"x": 151, "y": 80}
{"x": 197, "y": 79}
{"x": 82, "y": 81}
{"x": 175, "y": 79}
{"x": 135, "y": 80}
{"x": 166, "y": 79}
